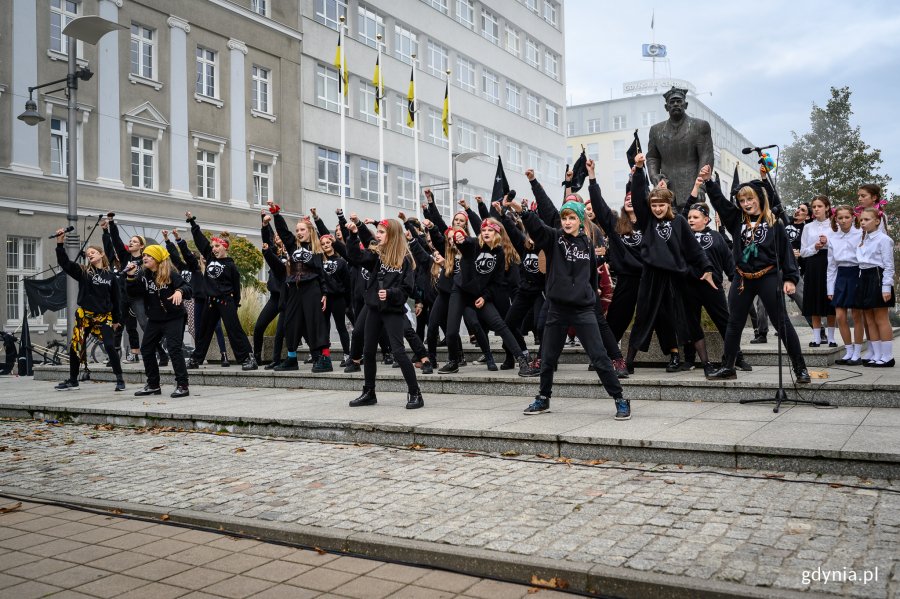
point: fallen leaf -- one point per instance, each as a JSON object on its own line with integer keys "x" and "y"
{"x": 553, "y": 583}
{"x": 836, "y": 486}
{"x": 240, "y": 450}
{"x": 774, "y": 476}
{"x": 444, "y": 450}
{"x": 564, "y": 460}
{"x": 470, "y": 455}
{"x": 595, "y": 462}
{"x": 70, "y": 441}
{"x": 416, "y": 446}
{"x": 11, "y": 508}
{"x": 157, "y": 448}
{"x": 510, "y": 454}
{"x": 533, "y": 590}
{"x": 320, "y": 551}
{"x": 543, "y": 456}
{"x": 164, "y": 517}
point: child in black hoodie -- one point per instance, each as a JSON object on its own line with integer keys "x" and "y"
{"x": 571, "y": 291}
{"x": 98, "y": 309}
{"x": 222, "y": 282}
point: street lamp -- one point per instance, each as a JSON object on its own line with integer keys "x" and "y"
{"x": 88, "y": 29}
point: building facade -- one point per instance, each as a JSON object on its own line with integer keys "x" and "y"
{"x": 606, "y": 130}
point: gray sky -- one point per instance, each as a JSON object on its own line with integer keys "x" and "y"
{"x": 805, "y": 48}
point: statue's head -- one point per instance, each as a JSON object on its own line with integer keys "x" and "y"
{"x": 676, "y": 102}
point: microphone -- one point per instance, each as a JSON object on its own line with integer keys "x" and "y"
{"x": 748, "y": 150}
{"x": 68, "y": 229}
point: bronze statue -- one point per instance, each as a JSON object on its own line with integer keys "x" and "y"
{"x": 679, "y": 147}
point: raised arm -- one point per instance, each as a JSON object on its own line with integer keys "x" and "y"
{"x": 639, "y": 196}
{"x": 546, "y": 209}
{"x": 729, "y": 214}
{"x": 200, "y": 240}
{"x": 121, "y": 253}
{"x": 69, "y": 267}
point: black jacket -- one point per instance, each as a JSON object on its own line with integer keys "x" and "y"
{"x": 398, "y": 282}
{"x": 157, "y": 300}
{"x": 571, "y": 263}
{"x": 530, "y": 276}
{"x": 98, "y": 291}
{"x": 481, "y": 269}
{"x": 221, "y": 278}
{"x": 303, "y": 264}
{"x": 624, "y": 250}
{"x": 122, "y": 253}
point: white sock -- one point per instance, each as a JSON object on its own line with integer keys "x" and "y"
{"x": 874, "y": 350}
{"x": 848, "y": 352}
{"x": 817, "y": 336}
{"x": 887, "y": 350}
{"x": 857, "y": 349}
{"x": 829, "y": 332}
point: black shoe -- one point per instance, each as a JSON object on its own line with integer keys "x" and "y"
{"x": 708, "y": 369}
{"x": 489, "y": 362}
{"x": 148, "y": 390}
{"x": 288, "y": 364}
{"x": 133, "y": 358}
{"x": 508, "y": 364}
{"x": 540, "y": 405}
{"x": 427, "y": 368}
{"x": 814, "y": 344}
{"x": 742, "y": 364}
{"x": 366, "y": 399}
{"x": 180, "y": 392}
{"x": 387, "y": 359}
{"x": 346, "y": 361}
{"x": 66, "y": 386}
{"x": 629, "y": 367}
{"x": 249, "y": 364}
{"x": 832, "y": 344}
{"x": 193, "y": 364}
{"x": 525, "y": 369}
{"x": 674, "y": 362}
{"x": 759, "y": 339}
{"x": 687, "y": 366}
{"x": 800, "y": 372}
{"x": 889, "y": 364}
{"x": 442, "y": 342}
{"x": 725, "y": 372}
{"x": 352, "y": 367}
{"x": 225, "y": 363}
{"x": 623, "y": 409}
{"x": 323, "y": 364}
{"x": 273, "y": 364}
{"x": 120, "y": 385}
{"x": 462, "y": 361}
{"x": 414, "y": 401}
{"x": 310, "y": 360}
{"x": 450, "y": 367}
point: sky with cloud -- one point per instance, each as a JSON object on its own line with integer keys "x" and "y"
{"x": 763, "y": 64}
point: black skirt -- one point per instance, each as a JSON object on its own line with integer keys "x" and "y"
{"x": 845, "y": 287}
{"x": 815, "y": 286}
{"x": 868, "y": 290}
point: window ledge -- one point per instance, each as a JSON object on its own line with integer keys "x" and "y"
{"x": 157, "y": 85}
{"x": 215, "y": 102}
{"x": 60, "y": 56}
{"x": 262, "y": 115}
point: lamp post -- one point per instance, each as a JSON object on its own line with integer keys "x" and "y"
{"x": 88, "y": 29}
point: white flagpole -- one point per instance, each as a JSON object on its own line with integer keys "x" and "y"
{"x": 341, "y": 92}
{"x": 450, "y": 144}
{"x": 379, "y": 94}
{"x": 416, "y": 142}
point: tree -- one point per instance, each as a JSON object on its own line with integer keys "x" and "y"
{"x": 247, "y": 257}
{"x": 831, "y": 159}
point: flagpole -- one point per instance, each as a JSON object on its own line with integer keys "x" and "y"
{"x": 379, "y": 94}
{"x": 342, "y": 93}
{"x": 416, "y": 143}
{"x": 450, "y": 145}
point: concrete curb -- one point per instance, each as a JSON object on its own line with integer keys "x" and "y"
{"x": 591, "y": 579}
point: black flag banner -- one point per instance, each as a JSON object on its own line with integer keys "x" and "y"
{"x": 46, "y": 295}
{"x": 501, "y": 185}
{"x": 633, "y": 150}
{"x": 735, "y": 181}
{"x": 579, "y": 172}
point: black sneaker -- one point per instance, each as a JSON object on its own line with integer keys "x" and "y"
{"x": 120, "y": 385}
{"x": 288, "y": 364}
{"x": 623, "y": 409}
{"x": 346, "y": 361}
{"x": 687, "y": 366}
{"x": 193, "y": 364}
{"x": 540, "y": 405}
{"x": 759, "y": 339}
{"x": 489, "y": 361}
{"x": 66, "y": 386}
{"x": 481, "y": 359}
{"x": 180, "y": 392}
{"x": 508, "y": 364}
{"x": 367, "y": 398}
{"x": 352, "y": 367}
{"x": 225, "y": 363}
{"x": 742, "y": 364}
{"x": 387, "y": 359}
{"x": 273, "y": 364}
{"x": 674, "y": 362}
{"x": 148, "y": 390}
{"x": 427, "y": 368}
{"x": 414, "y": 401}
{"x": 708, "y": 369}
{"x": 249, "y": 364}
{"x": 450, "y": 367}
{"x": 323, "y": 364}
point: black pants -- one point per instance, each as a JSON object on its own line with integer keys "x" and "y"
{"x": 768, "y": 288}
{"x": 415, "y": 342}
{"x": 699, "y": 295}
{"x": 131, "y": 327}
{"x": 659, "y": 308}
{"x": 109, "y": 344}
{"x": 269, "y": 313}
{"x": 303, "y": 311}
{"x": 422, "y": 320}
{"x": 226, "y": 310}
{"x": 525, "y": 301}
{"x": 490, "y": 318}
{"x": 437, "y": 319}
{"x": 459, "y": 309}
{"x": 394, "y": 324}
{"x": 560, "y": 318}
{"x": 199, "y": 308}
{"x": 335, "y": 307}
{"x": 172, "y": 331}
{"x": 624, "y": 301}
{"x": 610, "y": 343}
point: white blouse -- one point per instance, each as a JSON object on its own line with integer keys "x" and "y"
{"x": 841, "y": 252}
{"x": 810, "y": 237}
{"x": 877, "y": 251}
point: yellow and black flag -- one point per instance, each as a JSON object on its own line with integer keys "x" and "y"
{"x": 341, "y": 64}
{"x": 376, "y": 81}
{"x": 411, "y": 100}
{"x": 445, "y": 115}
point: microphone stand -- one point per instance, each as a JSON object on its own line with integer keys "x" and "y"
{"x": 86, "y": 371}
{"x": 780, "y": 394}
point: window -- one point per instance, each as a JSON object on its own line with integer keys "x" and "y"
{"x": 532, "y": 5}
{"x": 513, "y": 98}
{"x": 329, "y": 11}
{"x": 438, "y": 63}
{"x": 369, "y": 26}
{"x": 206, "y": 72}
{"x": 491, "y": 143}
{"x": 550, "y": 12}
{"x": 532, "y": 53}
{"x": 621, "y": 178}
{"x": 328, "y": 172}
{"x": 466, "y": 136}
{"x": 551, "y": 64}
{"x": 367, "y": 93}
{"x": 534, "y": 161}
{"x": 533, "y": 107}
{"x": 514, "y": 155}
{"x": 435, "y": 128}
{"x": 260, "y": 7}
{"x": 406, "y": 189}
{"x": 619, "y": 149}
{"x": 58, "y": 147}
{"x": 648, "y": 118}
{"x": 619, "y": 122}
{"x": 259, "y": 90}
{"x": 261, "y": 182}
{"x": 490, "y": 29}
{"x": 512, "y": 41}
{"x": 402, "y": 109}
{"x": 143, "y": 162}
{"x": 570, "y": 128}
{"x": 405, "y": 44}
{"x": 207, "y": 175}
{"x": 594, "y": 125}
{"x": 465, "y": 13}
{"x": 143, "y": 51}
{"x": 552, "y": 117}
{"x": 553, "y": 168}
{"x": 490, "y": 86}
{"x": 61, "y": 12}
{"x": 439, "y": 5}
{"x": 593, "y": 151}
{"x": 368, "y": 179}
{"x": 327, "y": 94}
{"x": 465, "y": 74}
{"x": 22, "y": 260}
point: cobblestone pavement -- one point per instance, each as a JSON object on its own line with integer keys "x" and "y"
{"x": 51, "y": 551}
{"x": 764, "y": 531}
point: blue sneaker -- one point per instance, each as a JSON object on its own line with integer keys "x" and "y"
{"x": 540, "y": 405}
{"x": 623, "y": 409}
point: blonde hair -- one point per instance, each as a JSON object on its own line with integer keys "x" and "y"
{"x": 873, "y": 212}
{"x": 747, "y": 192}
{"x": 314, "y": 244}
{"x": 834, "y": 213}
{"x": 104, "y": 264}
{"x": 164, "y": 273}
{"x": 663, "y": 196}
{"x": 394, "y": 249}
